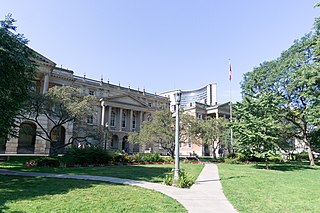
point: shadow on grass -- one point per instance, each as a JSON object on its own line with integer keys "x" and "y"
{"x": 15, "y": 188}
{"x": 152, "y": 173}
{"x": 233, "y": 177}
{"x": 287, "y": 166}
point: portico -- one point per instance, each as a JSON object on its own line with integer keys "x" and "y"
{"x": 121, "y": 115}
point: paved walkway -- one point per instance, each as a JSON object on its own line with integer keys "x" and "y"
{"x": 204, "y": 196}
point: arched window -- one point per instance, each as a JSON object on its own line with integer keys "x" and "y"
{"x": 113, "y": 119}
{"x": 114, "y": 142}
{"x": 27, "y": 138}
{"x": 123, "y": 122}
{"x": 58, "y": 136}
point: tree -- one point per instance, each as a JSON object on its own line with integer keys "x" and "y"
{"x": 161, "y": 130}
{"x": 292, "y": 85}
{"x": 209, "y": 131}
{"x": 256, "y": 128}
{"x": 60, "y": 105}
{"x": 17, "y": 71}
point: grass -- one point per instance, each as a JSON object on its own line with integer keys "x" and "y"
{"x": 151, "y": 173}
{"x": 29, "y": 194}
{"x": 285, "y": 187}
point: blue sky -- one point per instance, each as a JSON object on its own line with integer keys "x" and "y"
{"x": 162, "y": 45}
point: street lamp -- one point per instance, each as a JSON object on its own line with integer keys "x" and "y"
{"x": 177, "y": 97}
{"x": 106, "y": 136}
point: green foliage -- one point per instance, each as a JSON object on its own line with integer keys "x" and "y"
{"x": 48, "y": 162}
{"x": 303, "y": 156}
{"x": 281, "y": 100}
{"x": 210, "y": 131}
{"x": 185, "y": 180}
{"x": 231, "y": 161}
{"x": 168, "y": 179}
{"x": 276, "y": 159}
{"x": 158, "y": 130}
{"x": 87, "y": 156}
{"x": 60, "y": 105}
{"x": 17, "y": 72}
{"x": 315, "y": 140}
{"x": 147, "y": 157}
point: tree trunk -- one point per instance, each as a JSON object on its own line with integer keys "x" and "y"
{"x": 214, "y": 155}
{"x": 311, "y": 159}
{"x": 267, "y": 163}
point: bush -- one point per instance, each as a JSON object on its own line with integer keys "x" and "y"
{"x": 232, "y": 160}
{"x": 48, "y": 162}
{"x": 303, "y": 156}
{"x": 168, "y": 179}
{"x": 147, "y": 157}
{"x": 276, "y": 159}
{"x": 185, "y": 180}
{"x": 85, "y": 156}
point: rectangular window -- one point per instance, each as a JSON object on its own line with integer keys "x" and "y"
{"x": 90, "y": 119}
{"x": 113, "y": 119}
{"x": 133, "y": 122}
{"x": 123, "y": 122}
{"x": 91, "y": 92}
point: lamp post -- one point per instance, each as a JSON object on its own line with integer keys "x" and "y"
{"x": 177, "y": 97}
{"x": 106, "y": 136}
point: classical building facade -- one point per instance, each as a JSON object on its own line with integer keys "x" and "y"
{"x": 118, "y": 111}
{"x": 200, "y": 103}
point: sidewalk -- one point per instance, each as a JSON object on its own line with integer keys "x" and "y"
{"x": 205, "y": 195}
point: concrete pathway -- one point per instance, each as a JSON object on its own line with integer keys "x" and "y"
{"x": 205, "y": 195}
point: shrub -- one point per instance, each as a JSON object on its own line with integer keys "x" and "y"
{"x": 147, "y": 157}
{"x": 276, "y": 159}
{"x": 48, "y": 162}
{"x": 168, "y": 179}
{"x": 185, "y": 180}
{"x": 87, "y": 155}
{"x": 232, "y": 160}
{"x": 303, "y": 156}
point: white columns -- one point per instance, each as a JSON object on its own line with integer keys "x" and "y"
{"x": 131, "y": 120}
{"x": 120, "y": 120}
{"x": 45, "y": 83}
{"x": 102, "y": 113}
{"x": 109, "y": 115}
{"x": 141, "y": 119}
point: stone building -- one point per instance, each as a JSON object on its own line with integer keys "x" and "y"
{"x": 119, "y": 111}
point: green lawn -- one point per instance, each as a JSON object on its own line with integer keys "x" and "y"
{"x": 286, "y": 187}
{"x": 29, "y": 194}
{"x": 151, "y": 173}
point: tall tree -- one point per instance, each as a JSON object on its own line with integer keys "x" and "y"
{"x": 256, "y": 128}
{"x": 59, "y": 106}
{"x": 17, "y": 71}
{"x": 209, "y": 131}
{"x": 161, "y": 130}
{"x": 293, "y": 83}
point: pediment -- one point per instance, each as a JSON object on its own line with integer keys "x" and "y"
{"x": 127, "y": 100}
